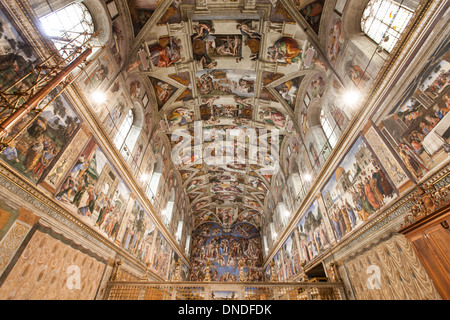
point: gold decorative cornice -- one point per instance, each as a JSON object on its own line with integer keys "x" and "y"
{"x": 427, "y": 200}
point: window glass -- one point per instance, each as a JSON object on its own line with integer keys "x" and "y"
{"x": 383, "y": 21}
{"x": 67, "y": 24}
{"x": 329, "y": 129}
{"x": 124, "y": 129}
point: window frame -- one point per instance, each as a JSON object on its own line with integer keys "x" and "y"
{"x": 61, "y": 18}
{"x": 371, "y": 20}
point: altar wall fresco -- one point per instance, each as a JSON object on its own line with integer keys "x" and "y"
{"x": 225, "y": 251}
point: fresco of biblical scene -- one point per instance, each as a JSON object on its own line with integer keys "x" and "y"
{"x": 185, "y": 79}
{"x": 251, "y": 37}
{"x": 313, "y": 234}
{"x": 205, "y": 216}
{"x": 99, "y": 75}
{"x": 201, "y": 204}
{"x": 202, "y": 31}
{"x": 250, "y": 216}
{"x": 288, "y": 51}
{"x": 94, "y": 191}
{"x": 118, "y": 44}
{"x": 186, "y": 174}
{"x": 180, "y": 117}
{"x": 285, "y": 50}
{"x": 166, "y": 52}
{"x": 288, "y": 91}
{"x": 226, "y": 215}
{"x": 291, "y": 257}
{"x": 312, "y": 12}
{"x": 33, "y": 151}
{"x": 272, "y": 117}
{"x": 226, "y": 199}
{"x": 229, "y": 187}
{"x": 163, "y": 91}
{"x": 335, "y": 39}
{"x": 279, "y": 14}
{"x": 226, "y": 82}
{"x": 139, "y": 233}
{"x": 225, "y": 45}
{"x": 252, "y": 204}
{"x": 140, "y": 12}
{"x": 195, "y": 183}
{"x": 226, "y": 251}
{"x": 279, "y": 267}
{"x": 357, "y": 74}
{"x": 316, "y": 87}
{"x": 16, "y": 57}
{"x": 135, "y": 89}
{"x": 257, "y": 184}
{"x": 267, "y": 78}
{"x": 232, "y": 107}
{"x": 418, "y": 126}
{"x": 162, "y": 255}
{"x": 358, "y": 189}
{"x": 219, "y": 177}
{"x": 172, "y": 15}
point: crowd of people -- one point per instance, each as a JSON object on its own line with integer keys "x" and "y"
{"x": 369, "y": 193}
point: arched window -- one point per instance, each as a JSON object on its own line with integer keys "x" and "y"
{"x": 152, "y": 186}
{"x": 179, "y": 230}
{"x": 329, "y": 128}
{"x": 266, "y": 246}
{"x": 71, "y": 23}
{"x": 168, "y": 210}
{"x": 384, "y": 20}
{"x": 188, "y": 243}
{"x": 273, "y": 233}
{"x": 283, "y": 214}
{"x": 124, "y": 130}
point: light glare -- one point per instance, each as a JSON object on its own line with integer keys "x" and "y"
{"x": 98, "y": 97}
{"x": 352, "y": 97}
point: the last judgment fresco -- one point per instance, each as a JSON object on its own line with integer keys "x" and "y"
{"x": 226, "y": 252}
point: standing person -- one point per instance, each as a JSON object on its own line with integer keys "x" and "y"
{"x": 34, "y": 154}
{"x": 374, "y": 186}
{"x": 370, "y": 195}
{"x": 387, "y": 188}
{"x": 351, "y": 213}
{"x": 344, "y": 213}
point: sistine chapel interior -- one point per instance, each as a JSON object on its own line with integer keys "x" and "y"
{"x": 224, "y": 149}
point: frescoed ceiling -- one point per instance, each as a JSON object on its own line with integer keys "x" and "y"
{"x": 225, "y": 69}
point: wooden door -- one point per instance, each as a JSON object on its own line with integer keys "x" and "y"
{"x": 432, "y": 244}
